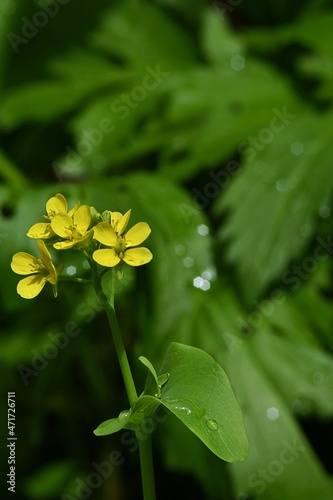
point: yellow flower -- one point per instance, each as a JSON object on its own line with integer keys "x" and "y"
{"x": 55, "y": 205}
{"x": 74, "y": 230}
{"x": 120, "y": 246}
{"x": 41, "y": 271}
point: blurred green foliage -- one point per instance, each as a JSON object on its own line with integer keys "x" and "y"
{"x": 214, "y": 123}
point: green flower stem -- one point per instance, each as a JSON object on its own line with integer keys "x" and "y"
{"x": 145, "y": 448}
{"x": 121, "y": 353}
{"x": 147, "y": 468}
{"x": 118, "y": 341}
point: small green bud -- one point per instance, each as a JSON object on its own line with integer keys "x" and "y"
{"x": 106, "y": 216}
{"x": 95, "y": 217}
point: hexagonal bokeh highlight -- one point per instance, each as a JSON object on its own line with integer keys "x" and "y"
{"x": 237, "y": 63}
{"x": 272, "y": 413}
{"x": 325, "y": 211}
{"x": 306, "y": 230}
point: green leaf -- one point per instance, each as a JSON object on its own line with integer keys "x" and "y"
{"x": 113, "y": 425}
{"x": 198, "y": 392}
{"x": 154, "y": 383}
{"x": 274, "y": 203}
{"x": 132, "y": 31}
{"x": 130, "y": 419}
{"x": 213, "y": 108}
{"x": 40, "y": 101}
{"x": 219, "y": 42}
{"x": 277, "y": 443}
{"x": 151, "y": 386}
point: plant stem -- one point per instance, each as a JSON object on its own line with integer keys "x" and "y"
{"x": 147, "y": 468}
{"x": 145, "y": 447}
{"x": 118, "y": 341}
{"x": 121, "y": 353}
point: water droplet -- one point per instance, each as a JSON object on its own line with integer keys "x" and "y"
{"x": 124, "y": 414}
{"x": 212, "y": 424}
{"x": 183, "y": 409}
{"x": 187, "y": 406}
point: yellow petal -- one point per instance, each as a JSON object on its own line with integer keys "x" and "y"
{"x": 44, "y": 253}
{"x": 47, "y": 261}
{"x": 64, "y": 245}
{"x": 61, "y": 225}
{"x": 137, "y": 234}
{"x": 115, "y": 218}
{"x": 55, "y": 205}
{"x": 40, "y": 230}
{"x": 82, "y": 218}
{"x": 119, "y": 221}
{"x": 137, "y": 256}
{"x": 74, "y": 209}
{"x": 31, "y": 286}
{"x": 106, "y": 257}
{"x": 24, "y": 263}
{"x": 104, "y": 233}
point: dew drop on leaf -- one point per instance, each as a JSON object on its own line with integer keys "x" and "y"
{"x": 212, "y": 424}
{"x": 123, "y": 414}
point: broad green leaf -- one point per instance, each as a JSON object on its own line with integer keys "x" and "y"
{"x": 40, "y": 101}
{"x": 214, "y": 109}
{"x": 46, "y": 100}
{"x": 109, "y": 128}
{"x": 281, "y": 462}
{"x": 274, "y": 203}
{"x": 260, "y": 368}
{"x": 219, "y": 42}
{"x": 309, "y": 368}
{"x": 198, "y": 392}
{"x": 132, "y": 31}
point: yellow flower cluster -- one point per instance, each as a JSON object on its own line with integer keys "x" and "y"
{"x": 105, "y": 241}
